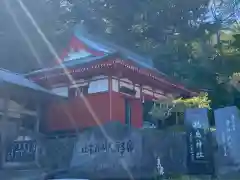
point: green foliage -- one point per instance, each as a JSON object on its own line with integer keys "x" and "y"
{"x": 235, "y": 81}
{"x": 200, "y": 101}
{"x": 176, "y": 34}
{"x": 162, "y": 109}
{"x": 236, "y": 42}
{"x": 144, "y": 27}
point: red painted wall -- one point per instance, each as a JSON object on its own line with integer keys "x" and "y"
{"x": 75, "y": 114}
{"x": 118, "y": 109}
{"x": 137, "y": 113}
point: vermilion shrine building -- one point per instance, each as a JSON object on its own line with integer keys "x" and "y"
{"x": 114, "y": 82}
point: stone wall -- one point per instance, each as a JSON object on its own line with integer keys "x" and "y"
{"x": 114, "y": 151}
{"x": 57, "y": 152}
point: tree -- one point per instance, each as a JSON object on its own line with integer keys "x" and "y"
{"x": 163, "y": 109}
{"x": 177, "y": 35}
{"x": 167, "y": 30}
{"x": 15, "y": 27}
{"x": 149, "y": 22}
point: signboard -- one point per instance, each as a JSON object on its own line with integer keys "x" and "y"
{"x": 108, "y": 151}
{"x": 21, "y": 152}
{"x": 227, "y": 122}
{"x": 200, "y": 154}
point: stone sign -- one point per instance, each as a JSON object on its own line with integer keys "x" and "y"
{"x": 118, "y": 151}
{"x": 21, "y": 151}
{"x": 199, "y": 160}
{"x": 112, "y": 150}
{"x": 227, "y": 135}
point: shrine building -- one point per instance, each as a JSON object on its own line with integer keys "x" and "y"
{"x": 106, "y": 83}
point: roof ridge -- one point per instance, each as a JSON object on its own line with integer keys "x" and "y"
{"x": 3, "y": 69}
{"x": 6, "y": 70}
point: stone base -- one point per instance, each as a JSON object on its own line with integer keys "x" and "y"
{"x": 22, "y": 174}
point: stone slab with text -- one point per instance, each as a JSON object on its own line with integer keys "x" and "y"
{"x": 227, "y": 134}
{"x": 118, "y": 151}
{"x": 200, "y": 154}
{"x": 113, "y": 150}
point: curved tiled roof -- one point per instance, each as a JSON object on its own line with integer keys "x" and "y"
{"x": 19, "y": 80}
{"x": 99, "y": 44}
